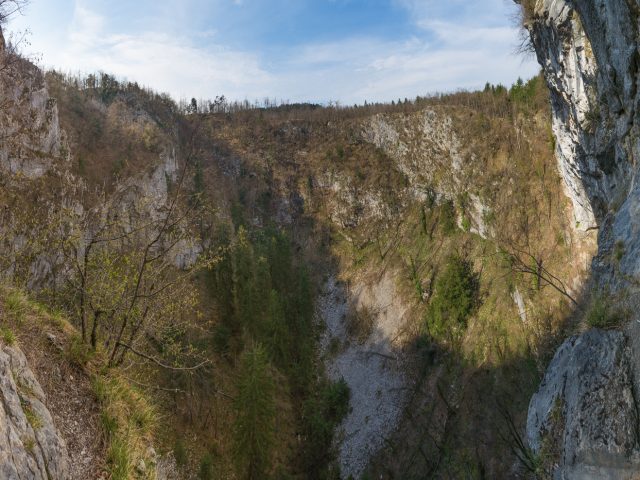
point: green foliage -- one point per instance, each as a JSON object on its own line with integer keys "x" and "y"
{"x": 602, "y": 314}
{"x": 335, "y": 399}
{"x": 78, "y": 351}
{"x": 523, "y": 94}
{"x": 448, "y": 218}
{"x": 32, "y": 417}
{"x": 16, "y": 305}
{"x": 180, "y": 453}
{"x": 205, "y": 472}
{"x": 255, "y": 415}
{"x": 128, "y": 421}
{"x": 455, "y": 298}
{"x": 119, "y": 460}
{"x": 263, "y": 296}
{"x": 619, "y": 250}
{"x": 222, "y": 338}
{"x": 8, "y": 336}
{"x": 322, "y": 413}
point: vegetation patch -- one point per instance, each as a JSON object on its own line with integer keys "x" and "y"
{"x": 603, "y": 313}
{"x": 455, "y": 299}
{"x": 129, "y": 422}
{"x": 360, "y": 323}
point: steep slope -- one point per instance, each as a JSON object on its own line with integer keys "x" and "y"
{"x": 589, "y": 53}
{"x": 389, "y": 198}
{"x": 434, "y": 236}
{"x": 31, "y": 445}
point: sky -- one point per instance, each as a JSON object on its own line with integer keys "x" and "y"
{"x": 349, "y": 51}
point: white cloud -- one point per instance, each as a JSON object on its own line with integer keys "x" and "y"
{"x": 159, "y": 60}
{"x": 460, "y": 52}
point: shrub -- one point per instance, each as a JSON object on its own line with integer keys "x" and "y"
{"x": 335, "y": 400}
{"x": 448, "y": 218}
{"x": 360, "y": 323}
{"x": 619, "y": 250}
{"x": 32, "y": 417}
{"x": 322, "y": 413}
{"x": 455, "y": 297}
{"x": 79, "y": 352}
{"x": 16, "y": 305}
{"x": 602, "y": 314}
{"x": 180, "y": 453}
{"x": 221, "y": 338}
{"x": 8, "y": 336}
{"x": 206, "y": 468}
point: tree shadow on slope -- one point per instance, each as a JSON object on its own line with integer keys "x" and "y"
{"x": 465, "y": 420}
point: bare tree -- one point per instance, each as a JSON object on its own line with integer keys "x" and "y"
{"x": 9, "y": 8}
{"x": 126, "y": 284}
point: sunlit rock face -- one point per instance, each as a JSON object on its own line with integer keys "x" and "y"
{"x": 588, "y": 50}
{"x": 30, "y": 444}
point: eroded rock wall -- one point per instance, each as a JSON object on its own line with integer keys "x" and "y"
{"x": 30, "y": 444}
{"x": 589, "y": 52}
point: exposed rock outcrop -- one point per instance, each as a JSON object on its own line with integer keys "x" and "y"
{"x": 32, "y": 141}
{"x": 589, "y": 51}
{"x": 585, "y": 409}
{"x": 30, "y": 445}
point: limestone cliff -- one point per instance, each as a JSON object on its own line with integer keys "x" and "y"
{"x": 30, "y": 444}
{"x": 589, "y": 53}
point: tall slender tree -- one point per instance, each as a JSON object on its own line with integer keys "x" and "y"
{"x": 255, "y": 415}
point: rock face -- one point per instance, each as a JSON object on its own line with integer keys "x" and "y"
{"x": 585, "y": 408}
{"x": 589, "y": 52}
{"x": 32, "y": 142}
{"x": 30, "y": 445}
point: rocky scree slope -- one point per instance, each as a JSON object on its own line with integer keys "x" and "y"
{"x": 590, "y": 54}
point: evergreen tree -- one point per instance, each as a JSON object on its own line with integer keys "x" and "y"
{"x": 255, "y": 415}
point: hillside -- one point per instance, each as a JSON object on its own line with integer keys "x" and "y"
{"x": 302, "y": 291}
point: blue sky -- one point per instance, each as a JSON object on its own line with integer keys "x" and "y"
{"x": 300, "y": 50}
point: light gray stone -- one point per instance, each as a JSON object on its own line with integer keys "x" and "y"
{"x": 587, "y": 394}
{"x": 31, "y": 446}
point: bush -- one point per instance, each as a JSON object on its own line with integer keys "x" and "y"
{"x": 16, "y": 305}
{"x": 322, "y": 414}
{"x": 360, "y": 323}
{"x": 448, "y": 218}
{"x": 8, "y": 336}
{"x": 206, "y": 468}
{"x": 79, "y": 352}
{"x": 180, "y": 453}
{"x": 335, "y": 399}
{"x": 455, "y": 298}
{"x": 602, "y": 314}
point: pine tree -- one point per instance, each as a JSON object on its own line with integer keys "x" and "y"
{"x": 255, "y": 415}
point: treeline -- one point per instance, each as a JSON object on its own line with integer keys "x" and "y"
{"x": 497, "y": 100}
